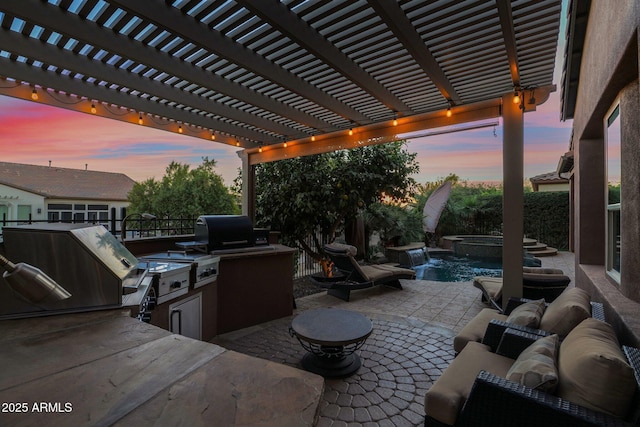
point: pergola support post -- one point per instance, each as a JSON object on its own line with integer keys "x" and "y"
{"x": 513, "y": 198}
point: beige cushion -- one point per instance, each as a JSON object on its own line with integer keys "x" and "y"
{"x": 445, "y": 398}
{"x": 341, "y": 247}
{"x": 395, "y": 271}
{"x": 474, "y": 329}
{"x": 528, "y": 314}
{"x": 566, "y": 312}
{"x": 593, "y": 371}
{"x": 536, "y": 365}
{"x": 372, "y": 273}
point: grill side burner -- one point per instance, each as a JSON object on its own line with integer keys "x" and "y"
{"x": 204, "y": 268}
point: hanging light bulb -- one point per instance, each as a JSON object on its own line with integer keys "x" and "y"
{"x": 260, "y": 149}
{"x": 516, "y": 97}
{"x": 237, "y": 143}
{"x": 449, "y": 113}
{"x": 34, "y": 95}
{"x": 395, "y": 119}
{"x": 93, "y": 108}
{"x": 213, "y": 136}
{"x": 285, "y": 144}
{"x": 313, "y": 138}
{"x": 140, "y": 121}
{"x": 350, "y": 131}
{"x": 179, "y": 128}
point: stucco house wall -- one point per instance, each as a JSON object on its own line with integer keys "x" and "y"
{"x": 608, "y": 75}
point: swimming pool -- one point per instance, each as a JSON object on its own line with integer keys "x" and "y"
{"x": 453, "y": 268}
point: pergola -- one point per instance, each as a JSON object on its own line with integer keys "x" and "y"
{"x": 292, "y": 77}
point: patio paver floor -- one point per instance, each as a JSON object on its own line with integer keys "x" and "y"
{"x": 411, "y": 344}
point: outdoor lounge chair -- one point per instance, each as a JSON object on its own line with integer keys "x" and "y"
{"x": 358, "y": 276}
{"x": 537, "y": 283}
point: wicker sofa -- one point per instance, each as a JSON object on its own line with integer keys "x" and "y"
{"x": 560, "y": 316}
{"x": 586, "y": 380}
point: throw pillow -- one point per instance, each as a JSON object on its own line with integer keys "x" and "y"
{"x": 593, "y": 371}
{"x": 528, "y": 314}
{"x": 536, "y": 365}
{"x": 566, "y": 312}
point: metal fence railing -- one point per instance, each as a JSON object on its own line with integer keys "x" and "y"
{"x": 135, "y": 227}
{"x": 306, "y": 265}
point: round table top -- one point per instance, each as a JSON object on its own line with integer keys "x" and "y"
{"x": 331, "y": 326}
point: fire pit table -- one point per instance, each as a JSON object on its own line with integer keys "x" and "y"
{"x": 331, "y": 336}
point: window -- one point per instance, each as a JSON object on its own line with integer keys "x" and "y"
{"x": 614, "y": 202}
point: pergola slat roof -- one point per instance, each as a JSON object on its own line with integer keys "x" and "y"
{"x": 260, "y": 72}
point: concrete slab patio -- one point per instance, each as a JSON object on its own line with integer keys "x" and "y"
{"x": 411, "y": 344}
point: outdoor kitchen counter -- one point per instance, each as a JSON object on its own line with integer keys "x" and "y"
{"x": 255, "y": 285}
{"x": 105, "y": 368}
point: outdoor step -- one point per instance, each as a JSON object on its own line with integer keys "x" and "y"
{"x": 536, "y": 247}
{"x": 549, "y": 251}
{"x": 527, "y": 241}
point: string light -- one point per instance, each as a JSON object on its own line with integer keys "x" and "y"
{"x": 34, "y": 95}
{"x": 93, "y": 108}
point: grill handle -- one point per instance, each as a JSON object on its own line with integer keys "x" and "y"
{"x": 179, "y": 312}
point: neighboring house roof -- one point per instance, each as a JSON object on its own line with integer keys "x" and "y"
{"x": 62, "y": 183}
{"x": 547, "y": 178}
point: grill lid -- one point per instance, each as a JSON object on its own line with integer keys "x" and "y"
{"x": 224, "y": 231}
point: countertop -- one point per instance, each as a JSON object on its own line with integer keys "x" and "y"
{"x": 105, "y": 368}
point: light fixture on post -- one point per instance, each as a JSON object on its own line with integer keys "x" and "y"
{"x": 123, "y": 224}
{"x": 31, "y": 283}
{"x": 532, "y": 98}
{"x": 34, "y": 94}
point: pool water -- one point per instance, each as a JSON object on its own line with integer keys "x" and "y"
{"x": 453, "y": 268}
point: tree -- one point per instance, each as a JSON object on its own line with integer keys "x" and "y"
{"x": 301, "y": 196}
{"x": 183, "y": 193}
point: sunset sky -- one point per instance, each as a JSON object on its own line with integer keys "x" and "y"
{"x": 36, "y": 134}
